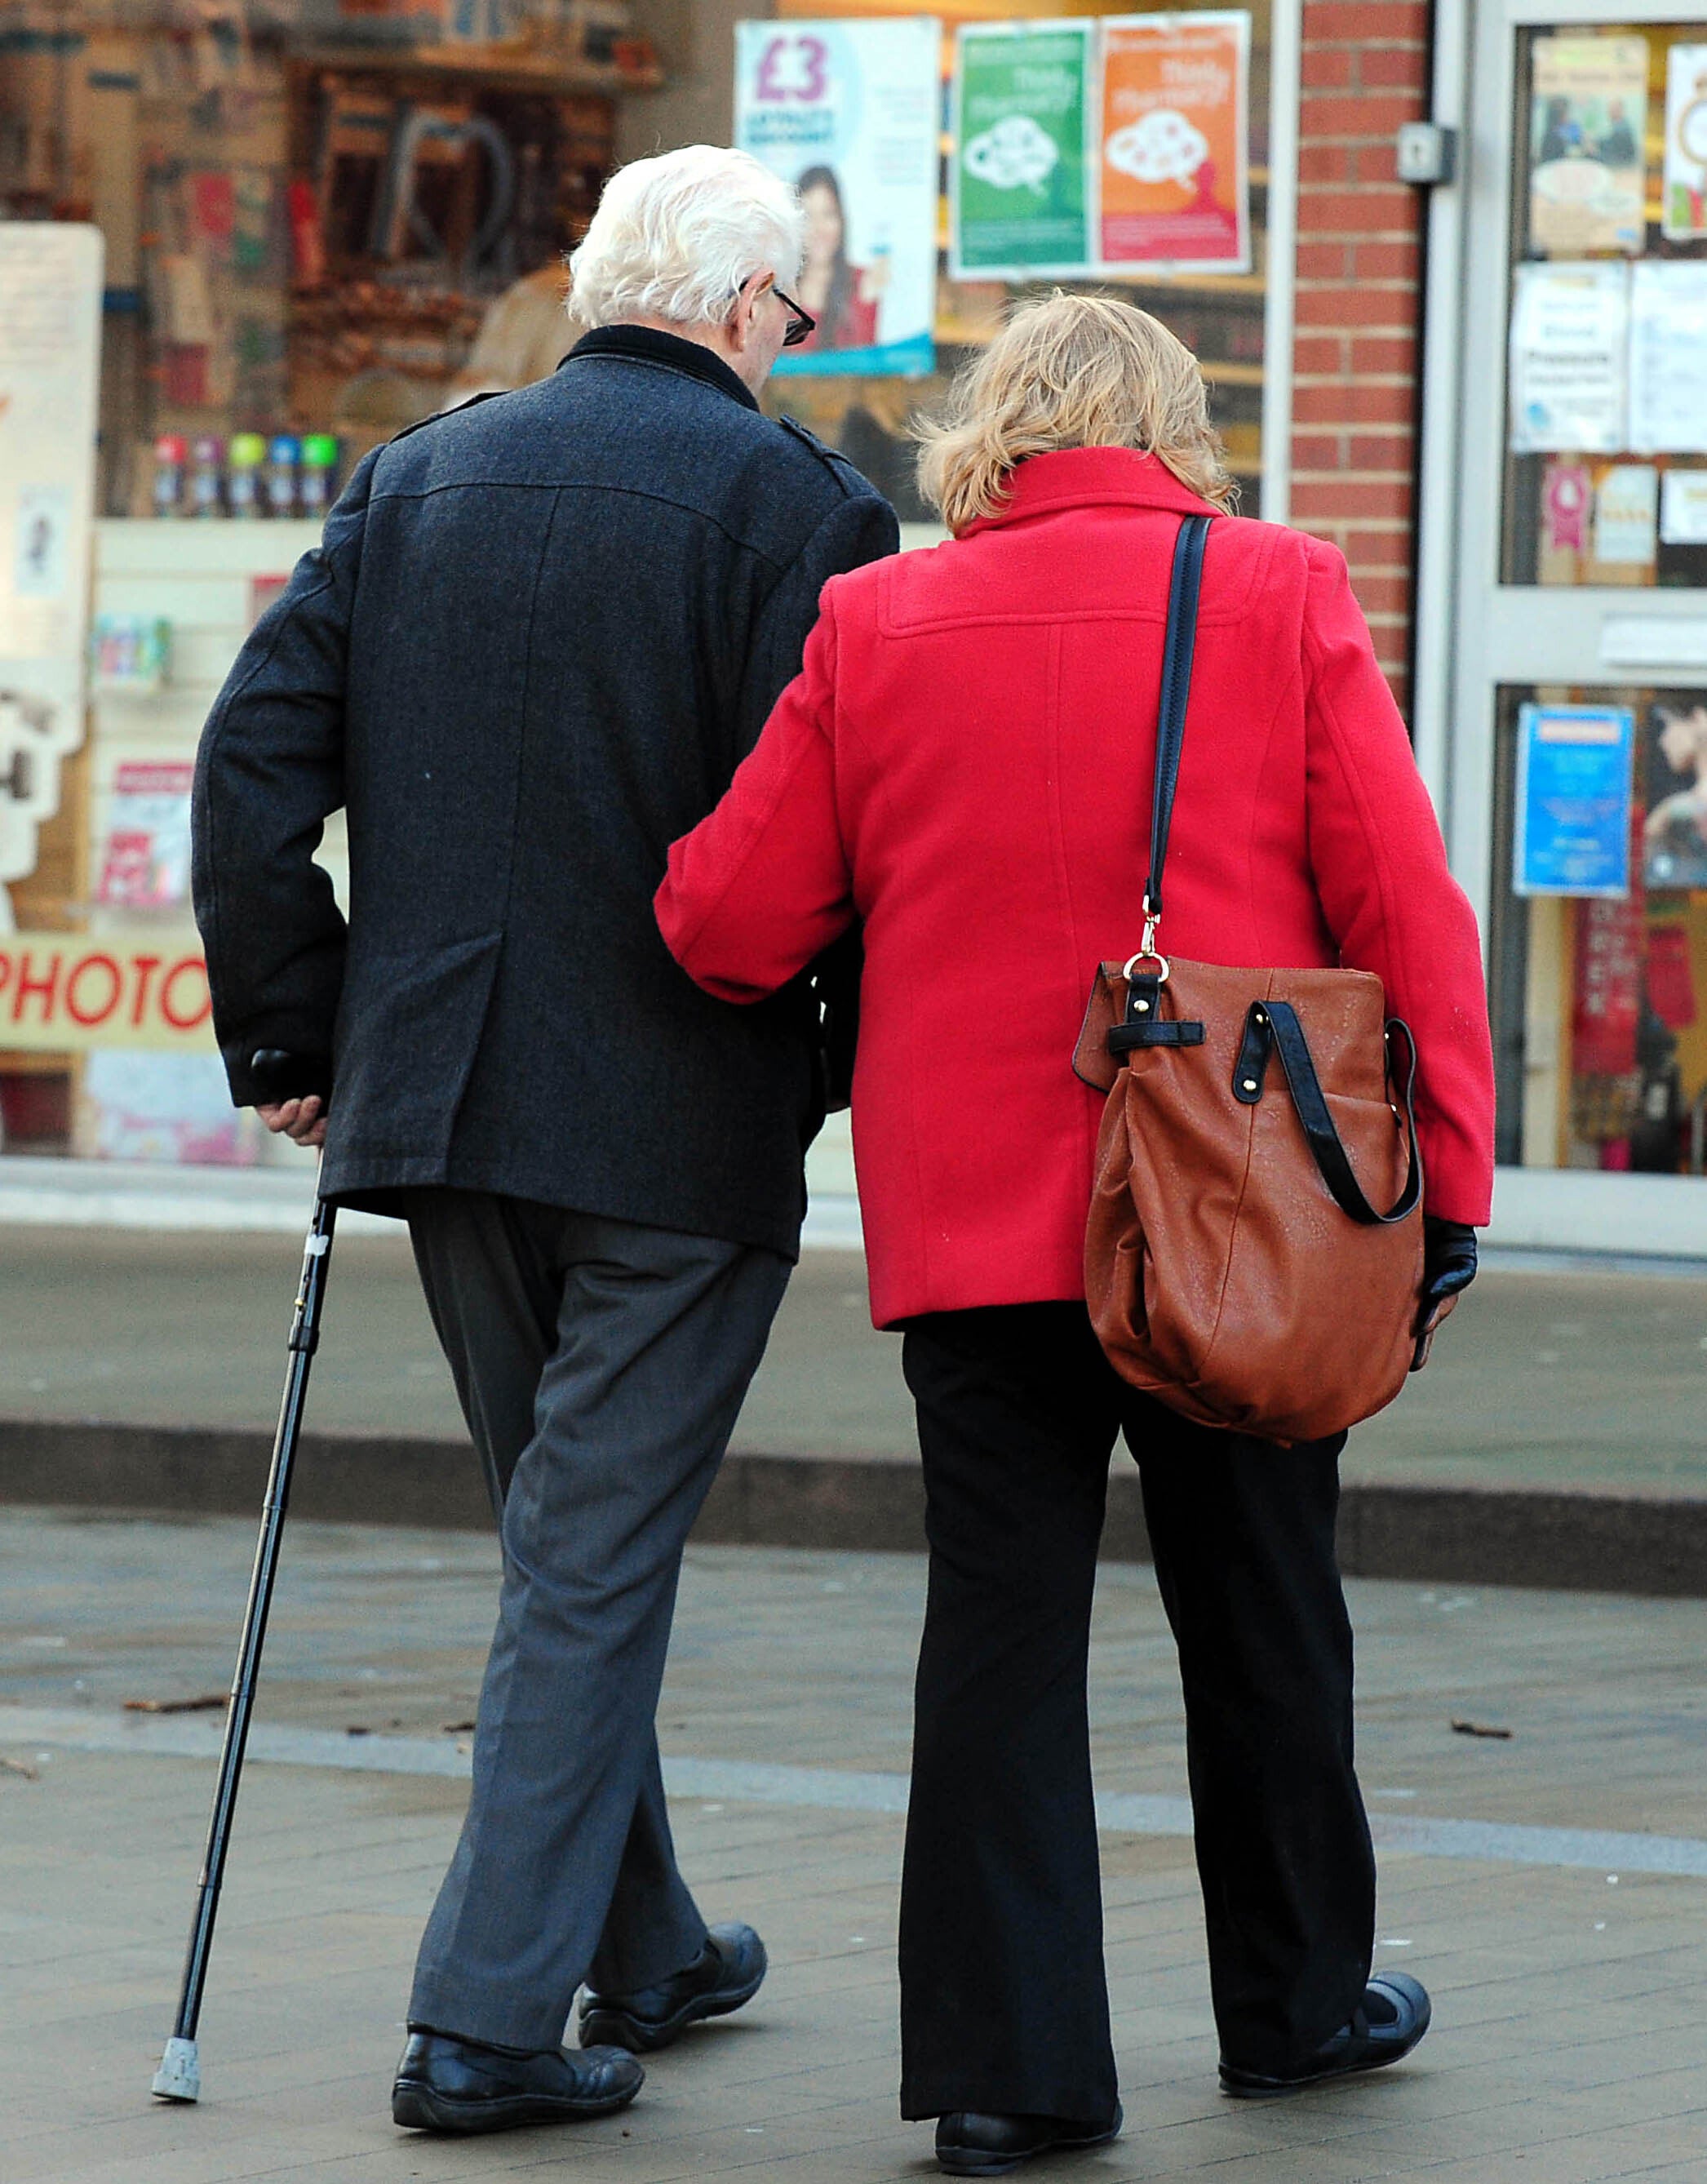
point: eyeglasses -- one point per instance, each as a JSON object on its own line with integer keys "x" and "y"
{"x": 801, "y": 324}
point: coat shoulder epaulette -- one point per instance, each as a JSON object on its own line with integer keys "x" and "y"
{"x": 439, "y": 416}
{"x": 833, "y": 459}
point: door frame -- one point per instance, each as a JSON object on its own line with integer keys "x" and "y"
{"x": 1473, "y": 633}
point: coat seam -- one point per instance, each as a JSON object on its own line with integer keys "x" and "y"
{"x": 562, "y": 486}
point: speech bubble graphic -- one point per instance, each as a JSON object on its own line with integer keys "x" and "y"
{"x": 1015, "y": 153}
{"x": 1164, "y": 147}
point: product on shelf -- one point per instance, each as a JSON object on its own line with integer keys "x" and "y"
{"x": 171, "y": 454}
{"x": 248, "y": 451}
{"x": 279, "y": 481}
{"x": 207, "y": 497}
{"x": 319, "y": 463}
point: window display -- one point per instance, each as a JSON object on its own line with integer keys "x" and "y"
{"x": 1606, "y": 473}
{"x": 1067, "y": 167}
{"x": 1600, "y": 992}
{"x": 324, "y": 220}
{"x": 309, "y": 213}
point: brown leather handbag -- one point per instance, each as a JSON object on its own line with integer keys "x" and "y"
{"x": 1235, "y": 1265}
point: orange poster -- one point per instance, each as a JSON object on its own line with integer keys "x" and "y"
{"x": 1175, "y": 177}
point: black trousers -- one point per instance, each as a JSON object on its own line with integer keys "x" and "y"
{"x": 1004, "y": 1999}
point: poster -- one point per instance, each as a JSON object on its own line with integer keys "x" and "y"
{"x": 50, "y": 348}
{"x": 1683, "y": 508}
{"x": 1626, "y": 515}
{"x": 146, "y": 865}
{"x": 1674, "y": 833}
{"x": 1174, "y": 187}
{"x": 1021, "y": 178}
{"x": 1570, "y": 336}
{"x": 1683, "y": 178}
{"x": 849, "y": 111}
{"x": 1588, "y": 118}
{"x": 1605, "y": 1015}
{"x": 1668, "y": 344}
{"x": 1573, "y": 796}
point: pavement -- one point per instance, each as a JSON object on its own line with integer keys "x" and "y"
{"x": 1556, "y": 1438}
{"x": 1550, "y": 1885}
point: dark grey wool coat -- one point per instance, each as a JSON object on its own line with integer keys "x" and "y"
{"x": 539, "y": 636}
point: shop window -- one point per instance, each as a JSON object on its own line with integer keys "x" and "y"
{"x": 311, "y": 217}
{"x": 1220, "y": 316}
{"x": 1600, "y": 997}
{"x": 1606, "y": 470}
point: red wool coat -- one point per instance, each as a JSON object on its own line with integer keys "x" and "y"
{"x": 964, "y": 761}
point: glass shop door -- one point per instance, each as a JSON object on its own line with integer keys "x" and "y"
{"x": 1578, "y": 772}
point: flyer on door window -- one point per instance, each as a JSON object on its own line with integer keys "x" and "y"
{"x": 1570, "y": 351}
{"x": 1588, "y": 116}
{"x": 1668, "y": 357}
{"x": 1175, "y": 188}
{"x": 1021, "y": 175}
{"x": 1683, "y": 176}
{"x": 1574, "y": 795}
{"x": 849, "y": 111}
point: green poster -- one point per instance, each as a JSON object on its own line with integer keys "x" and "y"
{"x": 1021, "y": 202}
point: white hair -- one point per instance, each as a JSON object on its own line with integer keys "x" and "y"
{"x": 674, "y": 237}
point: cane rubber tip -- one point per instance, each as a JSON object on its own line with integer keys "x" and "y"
{"x": 179, "y": 2078}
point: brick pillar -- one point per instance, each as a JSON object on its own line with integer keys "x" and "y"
{"x": 1365, "y": 65}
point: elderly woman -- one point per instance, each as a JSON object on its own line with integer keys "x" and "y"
{"x": 963, "y": 765}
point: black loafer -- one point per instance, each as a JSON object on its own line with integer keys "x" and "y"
{"x": 969, "y": 2145}
{"x": 728, "y": 1971}
{"x": 1394, "y": 2017}
{"x": 445, "y": 2084}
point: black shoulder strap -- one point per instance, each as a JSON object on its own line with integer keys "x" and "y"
{"x": 1177, "y": 690}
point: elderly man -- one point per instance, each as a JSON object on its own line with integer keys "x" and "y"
{"x": 541, "y": 633}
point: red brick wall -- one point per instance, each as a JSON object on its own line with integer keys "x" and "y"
{"x": 1364, "y": 67}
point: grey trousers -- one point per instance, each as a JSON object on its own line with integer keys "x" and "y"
{"x": 601, "y": 1367}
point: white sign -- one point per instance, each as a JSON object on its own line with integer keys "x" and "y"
{"x": 1569, "y": 335}
{"x": 1668, "y": 357}
{"x": 1626, "y": 514}
{"x": 849, "y": 111}
{"x": 50, "y": 351}
{"x": 1683, "y": 508}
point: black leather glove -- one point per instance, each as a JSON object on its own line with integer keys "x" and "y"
{"x": 1448, "y": 1259}
{"x": 1448, "y": 1268}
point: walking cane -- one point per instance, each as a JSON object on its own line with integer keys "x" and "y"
{"x": 179, "y": 2078}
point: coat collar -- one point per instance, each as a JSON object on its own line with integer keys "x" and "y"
{"x": 1084, "y": 477}
{"x": 647, "y": 345}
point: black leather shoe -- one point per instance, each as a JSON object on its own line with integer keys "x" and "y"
{"x": 969, "y": 2145}
{"x": 1394, "y": 2017}
{"x": 445, "y": 2084}
{"x": 728, "y": 1971}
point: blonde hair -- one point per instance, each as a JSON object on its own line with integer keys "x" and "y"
{"x": 675, "y": 236}
{"x": 1070, "y": 371}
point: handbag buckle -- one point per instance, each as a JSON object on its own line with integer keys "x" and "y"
{"x": 1148, "y": 952}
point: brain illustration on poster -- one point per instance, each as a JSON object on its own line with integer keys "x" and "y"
{"x": 1015, "y": 153}
{"x": 849, "y": 111}
{"x": 1162, "y": 147}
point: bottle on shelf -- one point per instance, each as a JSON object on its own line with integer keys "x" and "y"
{"x": 207, "y": 497}
{"x": 171, "y": 454}
{"x": 248, "y": 451}
{"x": 319, "y": 461}
{"x": 279, "y": 480}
